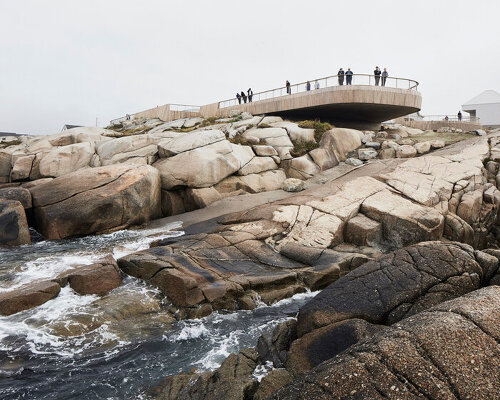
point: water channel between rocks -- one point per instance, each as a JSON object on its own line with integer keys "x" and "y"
{"x": 116, "y": 346}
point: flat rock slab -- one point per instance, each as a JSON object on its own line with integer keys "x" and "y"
{"x": 399, "y": 284}
{"x": 228, "y": 270}
{"x": 28, "y": 296}
{"x": 450, "y": 351}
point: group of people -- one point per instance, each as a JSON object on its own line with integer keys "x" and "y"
{"x": 380, "y": 76}
{"x": 242, "y": 96}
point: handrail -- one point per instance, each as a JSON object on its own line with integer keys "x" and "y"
{"x": 328, "y": 81}
{"x": 446, "y": 117}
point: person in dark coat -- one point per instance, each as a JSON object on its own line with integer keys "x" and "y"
{"x": 238, "y": 96}
{"x": 288, "y": 88}
{"x": 308, "y": 86}
{"x": 377, "y": 74}
{"x": 348, "y": 76}
{"x": 459, "y": 115}
{"x": 243, "y": 96}
{"x": 250, "y": 94}
{"x": 341, "y": 74}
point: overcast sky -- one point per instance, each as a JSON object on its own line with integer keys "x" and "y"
{"x": 70, "y": 61}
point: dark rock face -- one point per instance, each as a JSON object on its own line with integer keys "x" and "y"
{"x": 14, "y": 229}
{"x": 400, "y": 284}
{"x": 97, "y": 200}
{"x": 450, "y": 351}
{"x": 28, "y": 296}
{"x": 273, "y": 347}
{"x": 98, "y": 278}
{"x": 324, "y": 343}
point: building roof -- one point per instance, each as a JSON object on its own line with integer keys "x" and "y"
{"x": 67, "y": 126}
{"x": 487, "y": 97}
{"x": 9, "y": 134}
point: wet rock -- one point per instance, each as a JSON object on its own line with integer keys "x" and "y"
{"x": 450, "y": 352}
{"x": 14, "y": 229}
{"x": 275, "y": 380}
{"x": 397, "y": 285}
{"x": 97, "y": 200}
{"x": 274, "y": 346}
{"x": 28, "y": 296}
{"x": 293, "y": 185}
{"x": 232, "y": 381}
{"x": 98, "y": 278}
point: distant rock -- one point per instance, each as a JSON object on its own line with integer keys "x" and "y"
{"x": 367, "y": 154}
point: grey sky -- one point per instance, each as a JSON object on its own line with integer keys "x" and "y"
{"x": 70, "y": 61}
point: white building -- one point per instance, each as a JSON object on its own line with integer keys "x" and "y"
{"x": 486, "y": 107}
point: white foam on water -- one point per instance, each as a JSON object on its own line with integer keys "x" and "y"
{"x": 193, "y": 329}
{"x": 296, "y": 297}
{"x": 262, "y": 370}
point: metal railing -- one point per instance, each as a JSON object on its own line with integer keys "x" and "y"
{"x": 444, "y": 117}
{"x": 329, "y": 81}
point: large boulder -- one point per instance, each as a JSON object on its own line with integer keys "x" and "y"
{"x": 97, "y": 200}
{"x": 21, "y": 169}
{"x": 5, "y": 166}
{"x": 203, "y": 166}
{"x": 399, "y": 284}
{"x": 28, "y": 296}
{"x": 341, "y": 141}
{"x": 189, "y": 141}
{"x": 258, "y": 164}
{"x": 253, "y": 183}
{"x": 14, "y": 229}
{"x": 448, "y": 352}
{"x": 123, "y": 149}
{"x": 63, "y": 160}
{"x": 301, "y": 167}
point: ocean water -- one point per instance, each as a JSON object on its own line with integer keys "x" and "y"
{"x": 116, "y": 346}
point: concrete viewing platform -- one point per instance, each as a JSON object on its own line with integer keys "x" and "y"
{"x": 362, "y": 105}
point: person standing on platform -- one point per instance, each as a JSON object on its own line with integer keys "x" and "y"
{"x": 288, "y": 88}
{"x": 316, "y": 85}
{"x": 377, "y": 74}
{"x": 341, "y": 74}
{"x": 348, "y": 76}
{"x": 250, "y": 94}
{"x": 238, "y": 96}
{"x": 385, "y": 74}
{"x": 308, "y": 86}
{"x": 459, "y": 115}
{"x": 243, "y": 96}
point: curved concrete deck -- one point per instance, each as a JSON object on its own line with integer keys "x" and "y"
{"x": 358, "y": 106}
